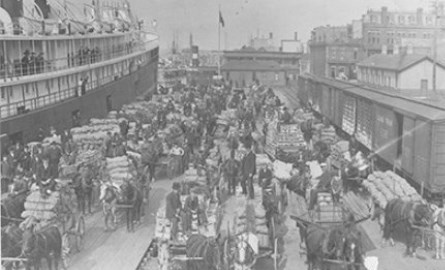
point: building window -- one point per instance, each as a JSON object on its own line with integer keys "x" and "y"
{"x": 276, "y": 76}
{"x": 429, "y": 20}
{"x": 355, "y": 54}
{"x": 3, "y": 93}
{"x": 389, "y": 81}
{"x": 424, "y": 85}
{"x": 11, "y": 92}
{"x": 401, "y": 20}
{"x": 412, "y": 19}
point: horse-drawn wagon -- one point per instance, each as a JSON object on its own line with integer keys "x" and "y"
{"x": 195, "y": 243}
{"x": 52, "y": 225}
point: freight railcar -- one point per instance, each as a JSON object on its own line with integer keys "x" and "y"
{"x": 405, "y": 132}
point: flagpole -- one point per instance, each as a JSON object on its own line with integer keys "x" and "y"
{"x": 219, "y": 40}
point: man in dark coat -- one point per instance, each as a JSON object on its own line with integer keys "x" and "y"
{"x": 54, "y": 155}
{"x": 173, "y": 209}
{"x": 231, "y": 170}
{"x": 248, "y": 169}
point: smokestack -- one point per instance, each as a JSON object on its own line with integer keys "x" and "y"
{"x": 296, "y": 36}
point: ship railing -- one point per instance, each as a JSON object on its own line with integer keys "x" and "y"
{"x": 18, "y": 69}
{"x": 25, "y": 106}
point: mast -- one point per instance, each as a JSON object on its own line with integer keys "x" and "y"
{"x": 219, "y": 41}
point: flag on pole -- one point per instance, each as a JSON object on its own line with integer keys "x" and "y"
{"x": 221, "y": 20}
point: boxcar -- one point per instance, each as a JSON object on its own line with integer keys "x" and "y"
{"x": 396, "y": 128}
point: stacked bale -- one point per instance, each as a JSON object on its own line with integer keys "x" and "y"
{"x": 385, "y": 186}
{"x": 120, "y": 169}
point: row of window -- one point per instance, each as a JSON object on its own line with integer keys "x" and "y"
{"x": 376, "y": 78}
{"x": 402, "y": 19}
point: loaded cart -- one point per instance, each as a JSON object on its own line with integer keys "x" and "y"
{"x": 46, "y": 210}
{"x": 248, "y": 234}
{"x": 196, "y": 240}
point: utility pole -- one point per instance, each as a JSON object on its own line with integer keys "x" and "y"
{"x": 438, "y": 14}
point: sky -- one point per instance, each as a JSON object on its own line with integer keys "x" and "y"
{"x": 244, "y": 18}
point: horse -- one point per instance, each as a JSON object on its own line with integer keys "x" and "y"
{"x": 403, "y": 219}
{"x": 132, "y": 198}
{"x": 12, "y": 207}
{"x": 42, "y": 244}
{"x": 439, "y": 232}
{"x": 11, "y": 243}
{"x": 206, "y": 248}
{"x": 109, "y": 195}
{"x": 323, "y": 243}
{"x": 240, "y": 251}
{"x": 353, "y": 252}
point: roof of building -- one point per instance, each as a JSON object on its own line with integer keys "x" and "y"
{"x": 434, "y": 111}
{"x": 250, "y": 65}
{"x": 397, "y": 62}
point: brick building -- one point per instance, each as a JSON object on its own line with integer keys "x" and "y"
{"x": 384, "y": 30}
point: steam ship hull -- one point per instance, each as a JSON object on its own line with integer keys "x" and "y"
{"x": 94, "y": 104}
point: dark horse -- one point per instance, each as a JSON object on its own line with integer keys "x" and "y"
{"x": 11, "y": 243}
{"x": 353, "y": 250}
{"x": 204, "y": 247}
{"x": 402, "y": 220}
{"x": 132, "y": 198}
{"x": 42, "y": 244}
{"x": 12, "y": 208}
{"x": 324, "y": 243}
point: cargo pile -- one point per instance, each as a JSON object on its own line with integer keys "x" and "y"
{"x": 142, "y": 111}
{"x": 385, "y": 186}
{"x": 328, "y": 135}
{"x": 340, "y": 154}
{"x": 95, "y": 131}
{"x": 119, "y": 169}
{"x": 281, "y": 170}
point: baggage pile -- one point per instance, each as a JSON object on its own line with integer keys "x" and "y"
{"x": 385, "y": 186}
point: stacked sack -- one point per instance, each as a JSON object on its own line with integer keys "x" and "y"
{"x": 43, "y": 208}
{"x": 281, "y": 170}
{"x": 385, "y": 186}
{"x": 120, "y": 169}
{"x": 328, "y": 135}
{"x": 95, "y": 131}
{"x": 142, "y": 111}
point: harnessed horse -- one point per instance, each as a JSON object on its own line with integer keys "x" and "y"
{"x": 403, "y": 219}
{"x": 109, "y": 195}
{"x": 42, "y": 244}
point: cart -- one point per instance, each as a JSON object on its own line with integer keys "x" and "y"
{"x": 175, "y": 252}
{"x": 59, "y": 209}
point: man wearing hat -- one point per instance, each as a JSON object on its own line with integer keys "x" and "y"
{"x": 248, "y": 169}
{"x": 173, "y": 209}
{"x": 25, "y": 63}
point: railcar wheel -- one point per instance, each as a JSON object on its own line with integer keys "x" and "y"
{"x": 80, "y": 233}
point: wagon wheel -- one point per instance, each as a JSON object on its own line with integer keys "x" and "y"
{"x": 80, "y": 232}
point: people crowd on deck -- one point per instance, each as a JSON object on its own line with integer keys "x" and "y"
{"x": 32, "y": 63}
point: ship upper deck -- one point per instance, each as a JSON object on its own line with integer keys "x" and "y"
{"x": 31, "y": 57}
